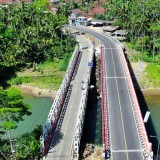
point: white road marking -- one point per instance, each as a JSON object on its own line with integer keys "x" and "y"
{"x": 111, "y": 48}
{"x": 120, "y": 110}
{"x": 119, "y": 151}
{"x": 132, "y": 106}
{"x": 115, "y": 77}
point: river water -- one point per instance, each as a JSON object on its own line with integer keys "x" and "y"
{"x": 92, "y": 124}
{"x": 40, "y": 109}
{"x": 153, "y": 104}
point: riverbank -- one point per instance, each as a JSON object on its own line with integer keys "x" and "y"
{"x": 146, "y": 74}
{"x": 37, "y": 92}
{"x": 140, "y": 75}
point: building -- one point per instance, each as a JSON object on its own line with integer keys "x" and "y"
{"x": 73, "y": 16}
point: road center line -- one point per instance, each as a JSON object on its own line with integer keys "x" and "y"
{"x": 131, "y": 102}
{"x": 66, "y": 127}
{"x": 119, "y": 151}
{"x": 120, "y": 109}
{"x": 115, "y": 77}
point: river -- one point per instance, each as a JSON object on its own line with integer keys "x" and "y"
{"x": 92, "y": 126}
{"x": 40, "y": 109}
{"x": 153, "y": 104}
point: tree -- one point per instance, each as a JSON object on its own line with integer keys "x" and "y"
{"x": 12, "y": 108}
{"x": 28, "y": 33}
{"x": 27, "y": 147}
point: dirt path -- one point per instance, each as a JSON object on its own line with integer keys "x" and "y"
{"x": 37, "y": 92}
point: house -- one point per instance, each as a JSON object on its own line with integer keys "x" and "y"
{"x": 96, "y": 10}
{"x": 97, "y": 22}
{"x": 93, "y": 11}
{"x": 83, "y": 21}
{"x": 73, "y": 16}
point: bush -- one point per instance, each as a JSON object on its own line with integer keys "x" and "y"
{"x": 20, "y": 80}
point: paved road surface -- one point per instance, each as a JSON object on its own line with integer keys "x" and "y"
{"x": 124, "y": 138}
{"x": 62, "y": 140}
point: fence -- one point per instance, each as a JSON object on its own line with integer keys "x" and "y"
{"x": 105, "y": 130}
{"x": 138, "y": 116}
{"x": 56, "y": 108}
{"x": 82, "y": 109}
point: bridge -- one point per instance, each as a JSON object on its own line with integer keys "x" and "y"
{"x": 123, "y": 132}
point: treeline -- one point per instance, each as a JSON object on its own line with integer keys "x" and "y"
{"x": 31, "y": 33}
{"x": 12, "y": 111}
{"x": 141, "y": 19}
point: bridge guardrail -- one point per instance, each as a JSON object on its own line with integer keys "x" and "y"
{"x": 57, "y": 105}
{"x": 81, "y": 112}
{"x": 105, "y": 129}
{"x": 139, "y": 120}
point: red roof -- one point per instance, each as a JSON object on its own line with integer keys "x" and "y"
{"x": 98, "y": 10}
{"x": 52, "y": 8}
{"x": 76, "y": 11}
{"x": 13, "y": 1}
{"x": 68, "y": 1}
{"x": 103, "y": 1}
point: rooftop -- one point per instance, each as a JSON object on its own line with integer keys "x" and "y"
{"x": 120, "y": 32}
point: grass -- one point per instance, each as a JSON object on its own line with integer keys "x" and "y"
{"x": 136, "y": 55}
{"x": 48, "y": 75}
{"x": 153, "y": 75}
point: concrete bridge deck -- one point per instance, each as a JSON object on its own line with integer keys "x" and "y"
{"x": 61, "y": 145}
{"x": 124, "y": 132}
{"x": 125, "y": 135}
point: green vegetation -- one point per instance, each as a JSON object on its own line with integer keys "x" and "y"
{"x": 30, "y": 35}
{"x": 26, "y": 147}
{"x": 47, "y": 75}
{"x": 66, "y": 9}
{"x": 153, "y": 75}
{"x": 12, "y": 111}
{"x": 12, "y": 108}
{"x": 141, "y": 20}
{"x": 35, "y": 51}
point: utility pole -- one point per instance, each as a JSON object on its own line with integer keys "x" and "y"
{"x": 11, "y": 145}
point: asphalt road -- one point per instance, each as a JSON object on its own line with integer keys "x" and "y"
{"x": 124, "y": 137}
{"x": 61, "y": 146}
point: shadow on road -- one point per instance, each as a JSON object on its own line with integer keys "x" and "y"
{"x": 58, "y": 136}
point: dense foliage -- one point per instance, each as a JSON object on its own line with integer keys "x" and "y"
{"x": 26, "y": 147}
{"x": 141, "y": 19}
{"x": 32, "y": 33}
{"x": 12, "y": 108}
